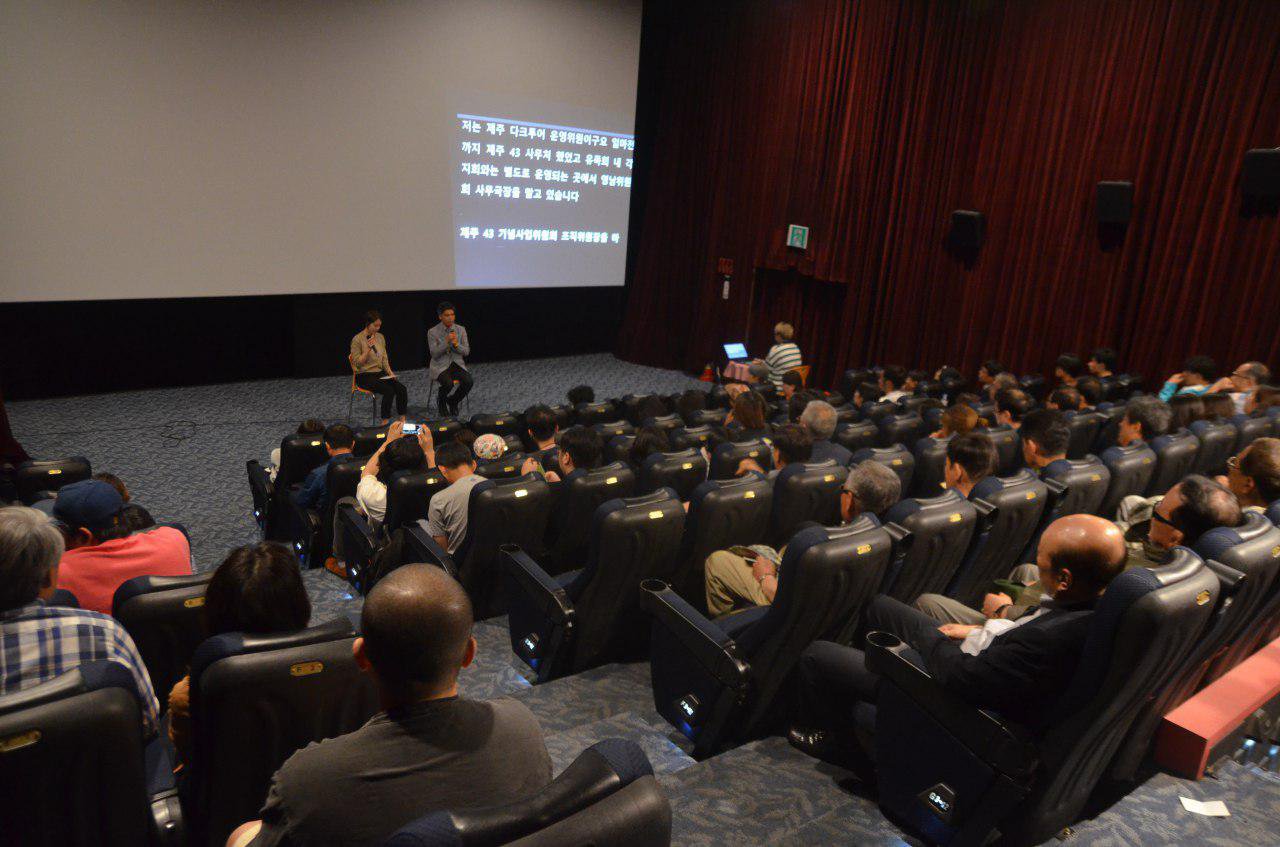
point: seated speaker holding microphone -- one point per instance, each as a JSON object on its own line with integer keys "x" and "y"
{"x": 449, "y": 348}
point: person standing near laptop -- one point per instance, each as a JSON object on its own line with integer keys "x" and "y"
{"x": 372, "y": 368}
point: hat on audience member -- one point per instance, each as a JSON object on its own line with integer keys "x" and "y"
{"x": 489, "y": 447}
{"x": 91, "y": 504}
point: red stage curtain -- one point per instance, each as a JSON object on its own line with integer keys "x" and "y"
{"x": 871, "y": 121}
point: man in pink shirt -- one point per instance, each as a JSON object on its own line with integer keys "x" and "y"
{"x": 101, "y": 554}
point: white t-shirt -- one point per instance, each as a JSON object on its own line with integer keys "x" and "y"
{"x": 371, "y": 494}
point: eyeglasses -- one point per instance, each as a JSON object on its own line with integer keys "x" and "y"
{"x": 1156, "y": 516}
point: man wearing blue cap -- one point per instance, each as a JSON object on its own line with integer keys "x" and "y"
{"x": 101, "y": 554}
{"x": 41, "y": 640}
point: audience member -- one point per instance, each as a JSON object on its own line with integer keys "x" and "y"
{"x": 1186, "y": 409}
{"x": 866, "y": 394}
{"x": 489, "y": 447}
{"x": 540, "y": 423}
{"x": 1144, "y": 418}
{"x": 970, "y": 459}
{"x": 1242, "y": 382}
{"x": 42, "y": 641}
{"x": 427, "y": 749}
{"x": 1065, "y": 399}
{"x": 339, "y": 440}
{"x": 1254, "y": 475}
{"x": 870, "y": 488}
{"x": 792, "y": 382}
{"x": 1045, "y": 438}
{"x": 1012, "y": 404}
{"x": 798, "y": 402}
{"x": 1091, "y": 391}
{"x": 1264, "y": 398}
{"x": 956, "y": 420}
{"x": 1003, "y": 382}
{"x": 466, "y": 437}
{"x": 447, "y": 513}
{"x": 580, "y": 451}
{"x": 819, "y": 420}
{"x": 784, "y": 355}
{"x": 1019, "y": 670}
{"x": 1102, "y": 362}
{"x": 987, "y": 372}
{"x": 1194, "y": 378}
{"x": 790, "y": 443}
{"x": 747, "y": 416}
{"x": 893, "y": 383}
{"x": 581, "y": 394}
{"x": 396, "y": 454}
{"x": 310, "y": 426}
{"x": 1217, "y": 407}
{"x": 648, "y": 440}
{"x": 733, "y": 580}
{"x": 1067, "y": 369}
{"x": 757, "y": 373}
{"x": 257, "y": 590}
{"x": 689, "y": 403}
{"x": 115, "y": 482}
{"x": 650, "y": 406}
{"x": 914, "y": 380}
{"x": 100, "y": 551}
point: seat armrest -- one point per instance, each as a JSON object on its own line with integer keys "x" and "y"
{"x": 548, "y": 596}
{"x": 1229, "y": 578}
{"x": 1056, "y": 486}
{"x": 709, "y": 645}
{"x": 436, "y": 555}
{"x": 168, "y": 829}
{"x": 1001, "y": 745}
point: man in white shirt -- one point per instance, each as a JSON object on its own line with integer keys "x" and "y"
{"x": 1242, "y": 382}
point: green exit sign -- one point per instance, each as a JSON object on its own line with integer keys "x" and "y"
{"x": 798, "y": 237}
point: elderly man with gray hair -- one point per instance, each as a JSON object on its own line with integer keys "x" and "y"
{"x": 819, "y": 418}
{"x": 870, "y": 489}
{"x": 42, "y": 641}
{"x": 748, "y": 576}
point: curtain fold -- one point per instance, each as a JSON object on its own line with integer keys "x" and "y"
{"x": 870, "y": 121}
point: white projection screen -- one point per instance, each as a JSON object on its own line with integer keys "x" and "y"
{"x": 196, "y": 149}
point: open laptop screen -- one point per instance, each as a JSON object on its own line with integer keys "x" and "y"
{"x": 737, "y": 350}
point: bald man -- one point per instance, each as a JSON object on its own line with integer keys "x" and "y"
{"x": 427, "y": 749}
{"x": 1020, "y": 671}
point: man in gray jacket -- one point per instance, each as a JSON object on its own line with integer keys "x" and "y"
{"x": 449, "y": 347}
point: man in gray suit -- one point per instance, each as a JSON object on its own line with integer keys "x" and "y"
{"x": 449, "y": 347}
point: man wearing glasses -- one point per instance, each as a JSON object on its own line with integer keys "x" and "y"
{"x": 1254, "y": 475}
{"x": 1243, "y": 381}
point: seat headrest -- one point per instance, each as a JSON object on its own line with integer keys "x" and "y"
{"x": 140, "y": 585}
{"x": 748, "y": 482}
{"x": 90, "y": 676}
{"x": 1218, "y": 540}
{"x": 229, "y": 644}
{"x": 1273, "y": 513}
{"x": 690, "y": 455}
{"x": 905, "y": 508}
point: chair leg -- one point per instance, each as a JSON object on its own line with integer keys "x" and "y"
{"x": 351, "y": 401}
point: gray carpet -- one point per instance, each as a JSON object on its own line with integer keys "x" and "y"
{"x": 182, "y": 453}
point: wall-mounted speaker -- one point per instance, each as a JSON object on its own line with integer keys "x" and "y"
{"x": 967, "y": 229}
{"x": 1260, "y": 173}
{"x": 1115, "y": 202}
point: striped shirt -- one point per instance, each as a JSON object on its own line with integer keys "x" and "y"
{"x": 39, "y": 642}
{"x": 782, "y": 357}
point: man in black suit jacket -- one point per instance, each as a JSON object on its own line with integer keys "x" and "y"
{"x": 1017, "y": 670}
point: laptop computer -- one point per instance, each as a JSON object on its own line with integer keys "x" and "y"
{"x": 736, "y": 352}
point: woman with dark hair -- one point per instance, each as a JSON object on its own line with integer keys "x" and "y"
{"x": 256, "y": 590}
{"x": 746, "y": 419}
{"x": 649, "y": 440}
{"x": 372, "y": 368}
{"x": 1187, "y": 409}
